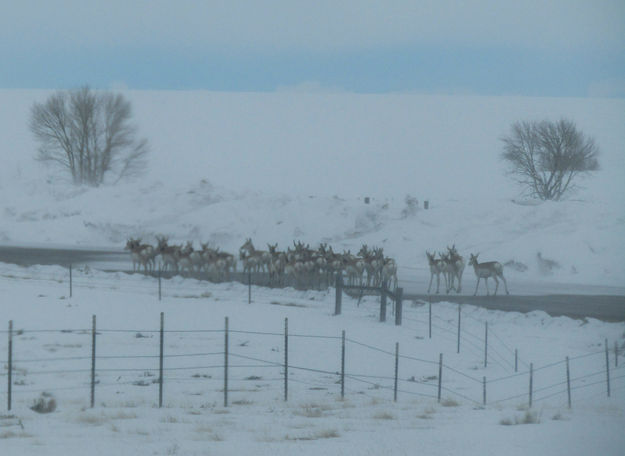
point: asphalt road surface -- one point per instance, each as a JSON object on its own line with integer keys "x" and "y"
{"x": 603, "y": 303}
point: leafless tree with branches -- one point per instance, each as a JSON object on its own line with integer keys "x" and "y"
{"x": 89, "y": 133}
{"x": 545, "y": 157}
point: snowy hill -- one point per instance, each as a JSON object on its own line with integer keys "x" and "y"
{"x": 294, "y": 166}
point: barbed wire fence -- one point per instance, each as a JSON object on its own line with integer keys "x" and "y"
{"x": 230, "y": 370}
{"x": 224, "y": 368}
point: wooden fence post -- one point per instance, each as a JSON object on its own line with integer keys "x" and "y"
{"x": 286, "y": 359}
{"x": 484, "y": 390}
{"x": 339, "y": 294}
{"x": 459, "y": 316}
{"x": 93, "y": 334}
{"x": 396, "y": 371}
{"x": 399, "y": 295}
{"x": 160, "y": 362}
{"x": 568, "y": 381}
{"x": 440, "y": 376}
{"x": 531, "y": 383}
{"x": 607, "y": 366}
{"x": 343, "y": 364}
{"x": 383, "y": 302}
{"x": 486, "y": 344}
{"x": 430, "y": 318}
{"x": 249, "y": 286}
{"x": 226, "y": 364}
{"x": 10, "y": 373}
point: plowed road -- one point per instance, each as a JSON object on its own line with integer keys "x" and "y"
{"x": 577, "y": 301}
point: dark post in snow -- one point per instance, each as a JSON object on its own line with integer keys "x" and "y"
{"x": 396, "y": 371}
{"x": 383, "y": 302}
{"x": 160, "y": 362}
{"x": 10, "y": 373}
{"x": 249, "y": 286}
{"x": 339, "y": 294}
{"x": 615, "y": 354}
{"x": 70, "y": 280}
{"x": 430, "y": 318}
{"x": 531, "y": 383}
{"x": 458, "y": 349}
{"x": 93, "y": 333}
{"x": 343, "y": 364}
{"x": 568, "y": 381}
{"x": 399, "y": 295}
{"x": 440, "y": 375}
{"x": 226, "y": 364}
{"x": 486, "y": 344}
{"x": 286, "y": 359}
{"x": 607, "y": 366}
{"x": 484, "y": 390}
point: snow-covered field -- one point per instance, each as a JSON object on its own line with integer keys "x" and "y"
{"x": 52, "y": 354}
{"x": 290, "y": 166}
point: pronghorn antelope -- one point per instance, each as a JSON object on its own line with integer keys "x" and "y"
{"x": 492, "y": 269}
{"x": 354, "y": 267}
{"x": 437, "y": 267}
{"x": 169, "y": 254}
{"x": 374, "y": 264}
{"x": 142, "y": 254}
{"x": 455, "y": 269}
{"x": 184, "y": 257}
{"x": 305, "y": 265}
{"x": 389, "y": 273}
{"x": 254, "y": 260}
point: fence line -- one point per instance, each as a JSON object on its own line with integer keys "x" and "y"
{"x": 377, "y": 381}
{"x": 467, "y": 337}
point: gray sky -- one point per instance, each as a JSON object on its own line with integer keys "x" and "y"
{"x": 559, "y": 48}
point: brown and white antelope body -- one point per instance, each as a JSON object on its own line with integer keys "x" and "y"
{"x": 254, "y": 260}
{"x": 169, "y": 254}
{"x": 486, "y": 270}
{"x": 142, "y": 254}
{"x": 454, "y": 269}
{"x": 437, "y": 267}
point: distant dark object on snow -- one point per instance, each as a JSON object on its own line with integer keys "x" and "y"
{"x": 516, "y": 265}
{"x": 44, "y": 404}
{"x": 545, "y": 265}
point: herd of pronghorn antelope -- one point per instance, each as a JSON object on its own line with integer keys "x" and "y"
{"x": 451, "y": 266}
{"x": 367, "y": 268}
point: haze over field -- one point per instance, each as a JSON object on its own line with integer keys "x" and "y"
{"x": 296, "y": 166}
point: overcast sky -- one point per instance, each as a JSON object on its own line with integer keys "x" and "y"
{"x": 490, "y": 47}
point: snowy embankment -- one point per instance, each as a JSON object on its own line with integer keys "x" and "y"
{"x": 52, "y": 354}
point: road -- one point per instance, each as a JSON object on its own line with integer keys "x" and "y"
{"x": 603, "y": 303}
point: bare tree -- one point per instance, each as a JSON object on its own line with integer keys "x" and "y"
{"x": 90, "y": 134}
{"x": 545, "y": 157}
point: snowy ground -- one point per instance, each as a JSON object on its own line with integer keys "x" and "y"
{"x": 52, "y": 353}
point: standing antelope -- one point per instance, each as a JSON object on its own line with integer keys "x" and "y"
{"x": 492, "y": 269}
{"x": 437, "y": 267}
{"x": 455, "y": 269}
{"x": 254, "y": 260}
{"x": 169, "y": 254}
{"x": 142, "y": 254}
